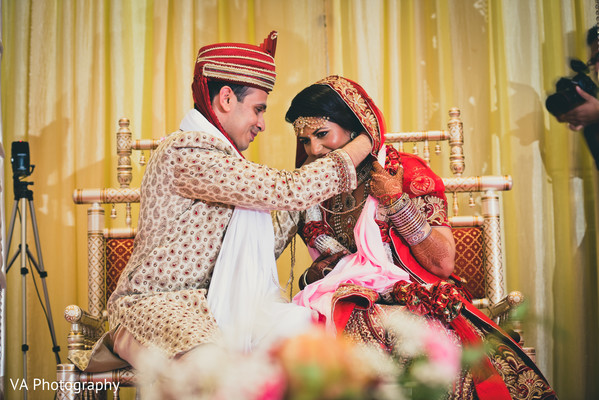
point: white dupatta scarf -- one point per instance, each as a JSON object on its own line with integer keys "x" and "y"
{"x": 244, "y": 294}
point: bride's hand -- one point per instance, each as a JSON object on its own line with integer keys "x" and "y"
{"x": 320, "y": 268}
{"x": 385, "y": 187}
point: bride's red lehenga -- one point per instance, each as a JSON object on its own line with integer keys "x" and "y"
{"x": 355, "y": 306}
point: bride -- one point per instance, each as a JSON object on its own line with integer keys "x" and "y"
{"x": 388, "y": 245}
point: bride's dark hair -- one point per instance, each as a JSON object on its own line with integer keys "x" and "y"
{"x": 322, "y": 101}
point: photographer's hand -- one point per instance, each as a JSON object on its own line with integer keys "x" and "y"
{"x": 585, "y": 114}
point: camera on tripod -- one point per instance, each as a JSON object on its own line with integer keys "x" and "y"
{"x": 21, "y": 166}
{"x": 566, "y": 98}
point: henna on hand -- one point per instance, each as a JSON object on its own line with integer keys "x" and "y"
{"x": 320, "y": 268}
{"x": 383, "y": 186}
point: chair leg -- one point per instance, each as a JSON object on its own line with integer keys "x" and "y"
{"x": 67, "y": 375}
{"x": 100, "y": 395}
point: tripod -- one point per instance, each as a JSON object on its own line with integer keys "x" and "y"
{"x": 23, "y": 196}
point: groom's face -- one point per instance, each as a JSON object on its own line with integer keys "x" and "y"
{"x": 245, "y": 118}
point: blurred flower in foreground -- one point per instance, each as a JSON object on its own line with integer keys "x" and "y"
{"x": 430, "y": 354}
{"x": 319, "y": 366}
{"x": 211, "y": 372}
{"x": 313, "y": 365}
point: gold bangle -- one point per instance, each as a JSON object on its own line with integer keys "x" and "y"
{"x": 303, "y": 280}
{"x": 325, "y": 243}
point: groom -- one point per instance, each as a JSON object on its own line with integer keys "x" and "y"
{"x": 203, "y": 254}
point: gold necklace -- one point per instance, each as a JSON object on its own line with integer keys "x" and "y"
{"x": 339, "y": 208}
{"x": 343, "y": 216}
{"x": 342, "y": 212}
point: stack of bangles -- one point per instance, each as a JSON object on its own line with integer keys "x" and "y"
{"x": 408, "y": 221}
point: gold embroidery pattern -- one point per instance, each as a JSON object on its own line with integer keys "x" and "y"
{"x": 422, "y": 185}
{"x": 522, "y": 381}
{"x": 342, "y": 168}
{"x": 358, "y": 104}
{"x": 434, "y": 208}
{"x": 365, "y": 327}
{"x": 348, "y": 289}
{"x": 80, "y": 358}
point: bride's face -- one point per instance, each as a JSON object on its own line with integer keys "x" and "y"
{"x": 320, "y": 141}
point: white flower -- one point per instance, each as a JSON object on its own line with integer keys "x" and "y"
{"x": 433, "y": 374}
{"x": 408, "y": 330}
{"x": 207, "y": 372}
{"x": 434, "y": 351}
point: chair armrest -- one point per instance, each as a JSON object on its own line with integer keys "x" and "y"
{"x": 68, "y": 375}
{"x": 500, "y": 310}
{"x": 481, "y": 304}
{"x": 503, "y": 307}
{"x": 85, "y": 328}
{"x": 75, "y": 315}
{"x": 501, "y": 313}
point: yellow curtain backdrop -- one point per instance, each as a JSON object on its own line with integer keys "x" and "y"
{"x": 71, "y": 69}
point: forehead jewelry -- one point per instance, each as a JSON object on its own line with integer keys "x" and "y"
{"x": 313, "y": 123}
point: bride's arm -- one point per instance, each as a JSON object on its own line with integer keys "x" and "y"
{"x": 433, "y": 248}
{"x": 436, "y": 253}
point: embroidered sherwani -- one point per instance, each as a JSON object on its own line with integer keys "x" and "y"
{"x": 188, "y": 193}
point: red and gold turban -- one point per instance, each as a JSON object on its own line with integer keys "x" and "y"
{"x": 242, "y": 64}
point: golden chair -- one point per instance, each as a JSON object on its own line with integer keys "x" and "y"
{"x": 479, "y": 256}
{"x": 108, "y": 252}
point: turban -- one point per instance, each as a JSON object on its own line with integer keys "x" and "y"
{"x": 237, "y": 63}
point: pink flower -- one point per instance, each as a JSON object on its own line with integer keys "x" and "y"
{"x": 442, "y": 352}
{"x": 272, "y": 389}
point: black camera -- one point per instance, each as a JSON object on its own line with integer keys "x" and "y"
{"x": 21, "y": 166}
{"x": 566, "y": 98}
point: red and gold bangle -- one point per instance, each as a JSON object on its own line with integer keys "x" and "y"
{"x": 398, "y": 204}
{"x": 409, "y": 221}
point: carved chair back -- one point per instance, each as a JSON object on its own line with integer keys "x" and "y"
{"x": 479, "y": 252}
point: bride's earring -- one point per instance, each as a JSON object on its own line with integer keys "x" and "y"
{"x": 353, "y": 135}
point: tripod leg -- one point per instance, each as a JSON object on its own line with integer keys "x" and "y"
{"x": 43, "y": 274}
{"x": 24, "y": 346}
